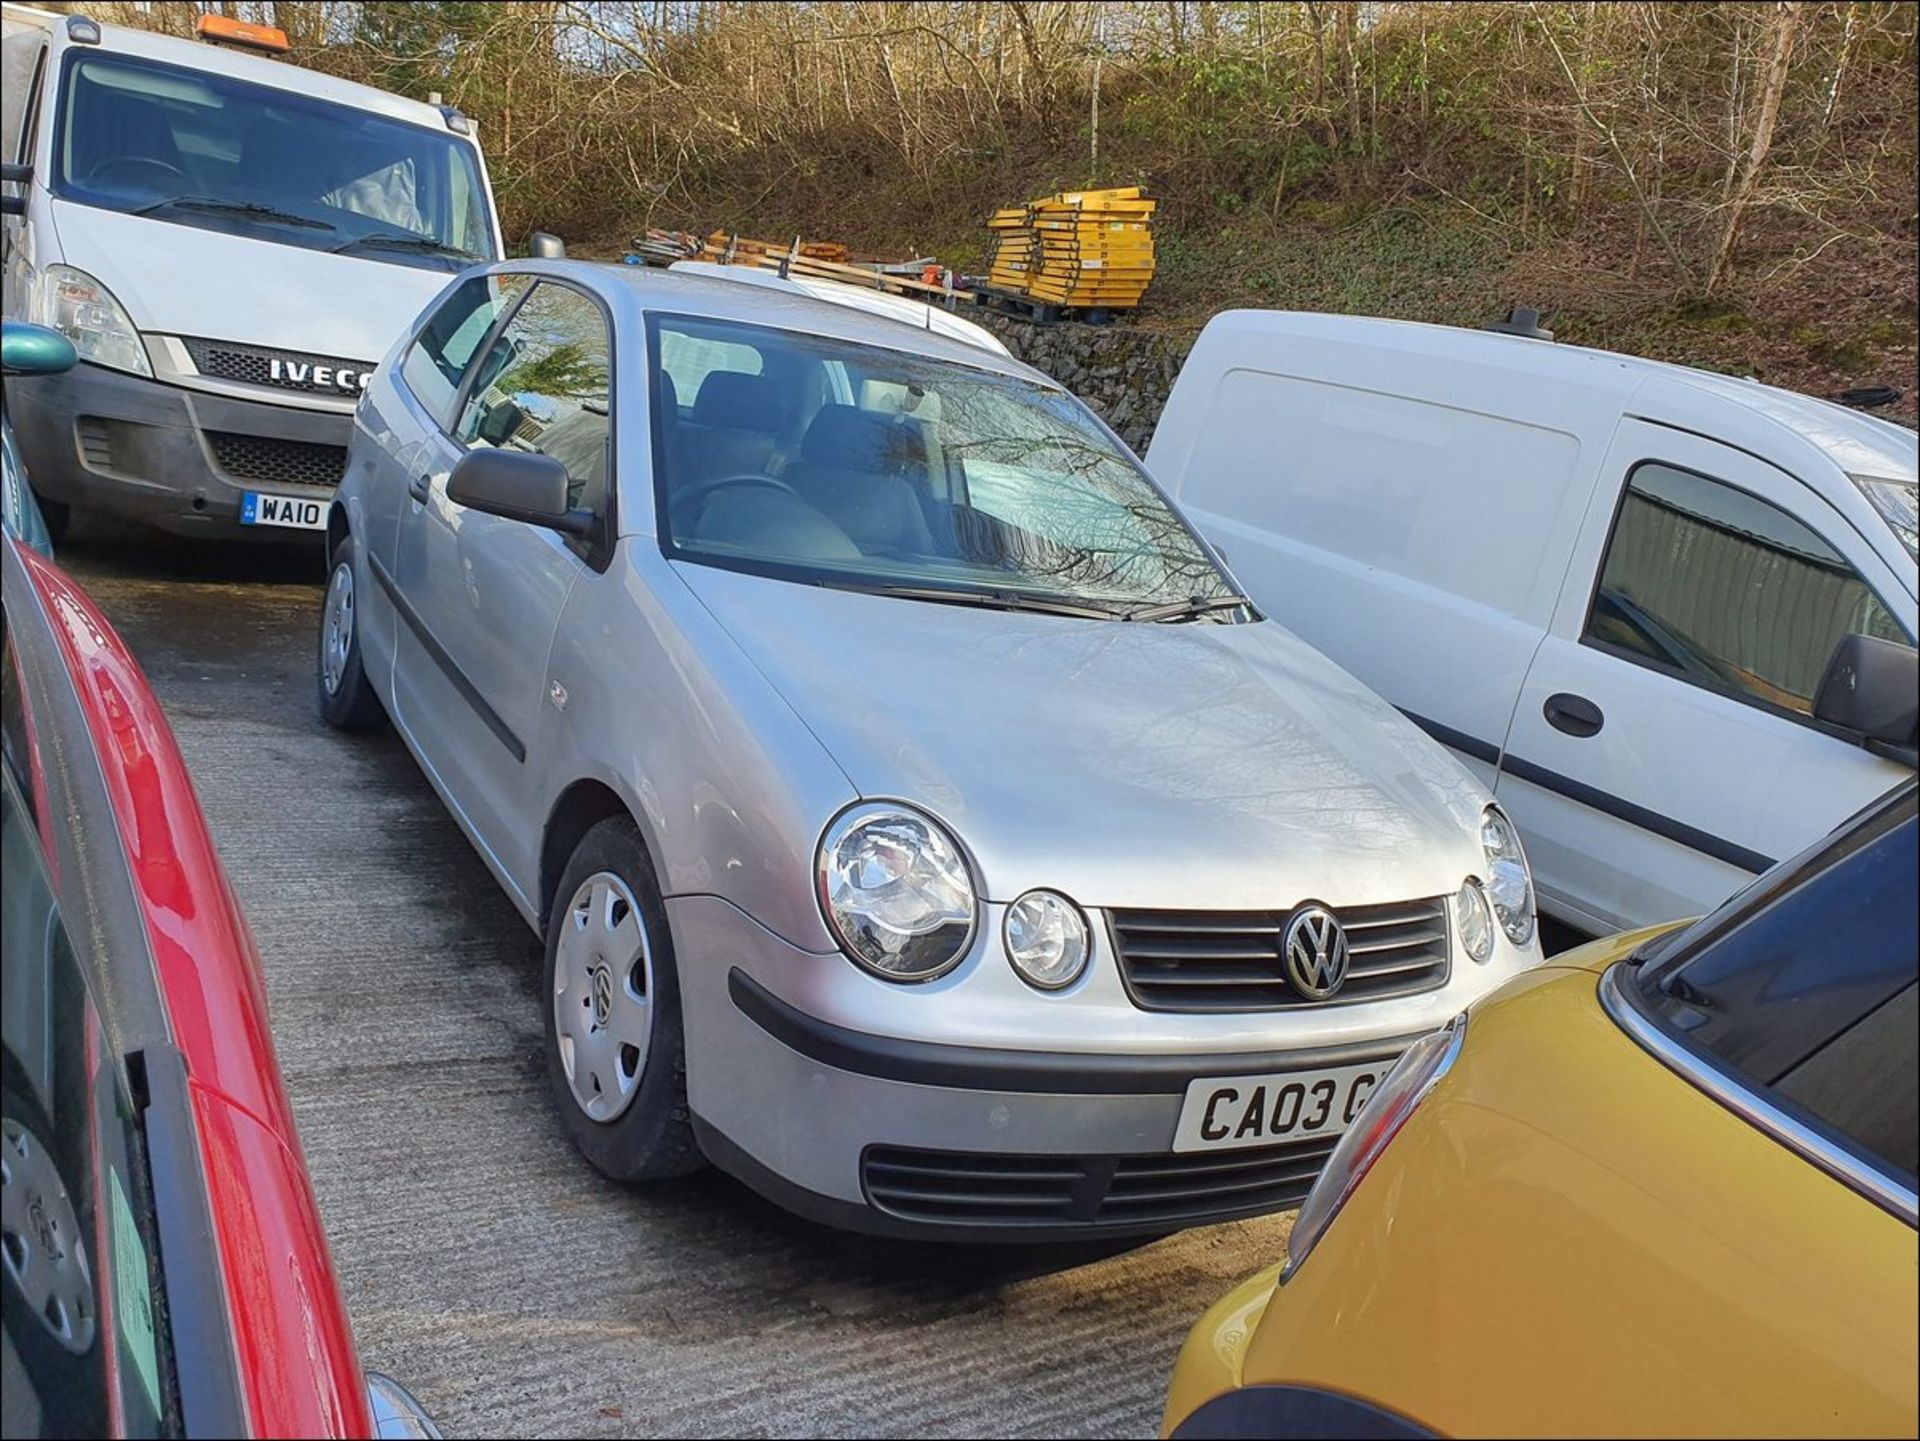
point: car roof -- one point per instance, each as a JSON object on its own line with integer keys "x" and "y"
{"x": 241, "y": 65}
{"x": 1743, "y": 412}
{"x": 668, "y": 292}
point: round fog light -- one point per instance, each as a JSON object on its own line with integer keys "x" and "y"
{"x": 1475, "y": 919}
{"x": 1047, "y": 940}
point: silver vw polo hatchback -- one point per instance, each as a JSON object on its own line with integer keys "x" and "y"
{"x": 922, "y": 825}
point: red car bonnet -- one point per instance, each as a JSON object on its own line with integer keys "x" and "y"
{"x": 298, "y": 1366}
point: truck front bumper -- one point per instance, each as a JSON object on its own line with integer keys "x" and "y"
{"x": 99, "y": 440}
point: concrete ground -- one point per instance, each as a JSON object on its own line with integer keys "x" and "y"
{"x": 514, "y": 1290}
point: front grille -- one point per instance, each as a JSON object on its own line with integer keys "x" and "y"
{"x": 949, "y": 1188}
{"x": 272, "y": 461}
{"x": 253, "y": 365}
{"x": 1230, "y": 960}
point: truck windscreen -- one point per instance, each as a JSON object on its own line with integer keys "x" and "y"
{"x": 199, "y": 148}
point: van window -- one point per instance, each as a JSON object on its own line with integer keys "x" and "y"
{"x": 546, "y": 386}
{"x": 1727, "y": 591}
{"x": 204, "y": 149}
{"x": 440, "y": 354}
{"x": 23, "y": 68}
{"x": 1390, "y": 482}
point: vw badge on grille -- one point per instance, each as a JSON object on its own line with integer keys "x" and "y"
{"x": 1314, "y": 950}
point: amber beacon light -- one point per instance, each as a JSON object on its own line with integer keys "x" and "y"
{"x": 223, "y": 30}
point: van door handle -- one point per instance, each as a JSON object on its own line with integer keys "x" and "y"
{"x": 1574, "y": 714}
{"x": 418, "y": 488}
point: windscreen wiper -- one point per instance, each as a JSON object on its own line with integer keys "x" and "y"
{"x": 251, "y": 210}
{"x": 425, "y": 243}
{"x": 995, "y": 600}
{"x": 1187, "y": 609}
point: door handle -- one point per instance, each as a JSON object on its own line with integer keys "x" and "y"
{"x": 418, "y": 488}
{"x": 1574, "y": 714}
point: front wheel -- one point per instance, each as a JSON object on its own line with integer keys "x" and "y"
{"x": 347, "y": 700}
{"x": 616, "y": 1050}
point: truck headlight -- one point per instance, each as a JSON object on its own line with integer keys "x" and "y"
{"x": 1047, "y": 940}
{"x": 896, "y": 892}
{"x": 82, "y": 309}
{"x": 1509, "y": 881}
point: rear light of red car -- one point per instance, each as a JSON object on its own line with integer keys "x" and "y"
{"x": 1387, "y": 1110}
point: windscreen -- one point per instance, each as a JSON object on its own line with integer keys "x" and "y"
{"x": 199, "y": 148}
{"x": 842, "y": 464}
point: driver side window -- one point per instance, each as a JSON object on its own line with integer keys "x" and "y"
{"x": 1727, "y": 591}
{"x": 546, "y": 386}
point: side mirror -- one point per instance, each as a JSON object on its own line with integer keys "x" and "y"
{"x": 498, "y": 422}
{"x": 1872, "y": 688}
{"x": 34, "y": 350}
{"x": 521, "y": 485}
{"x": 14, "y": 204}
{"x": 544, "y": 245}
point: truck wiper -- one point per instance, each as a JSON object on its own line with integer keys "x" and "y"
{"x": 251, "y": 210}
{"x": 403, "y": 242}
{"x": 1187, "y": 609}
{"x": 995, "y": 600}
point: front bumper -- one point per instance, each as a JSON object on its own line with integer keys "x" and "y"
{"x": 798, "y": 1090}
{"x": 100, "y": 440}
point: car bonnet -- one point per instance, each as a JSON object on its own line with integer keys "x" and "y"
{"x": 1192, "y": 766}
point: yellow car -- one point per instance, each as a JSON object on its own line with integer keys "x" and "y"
{"x": 1661, "y": 1186}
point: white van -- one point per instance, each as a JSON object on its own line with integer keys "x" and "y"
{"x": 232, "y": 243}
{"x": 1669, "y": 616}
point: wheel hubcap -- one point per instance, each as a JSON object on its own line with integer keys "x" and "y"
{"x": 336, "y": 632}
{"x": 603, "y": 996}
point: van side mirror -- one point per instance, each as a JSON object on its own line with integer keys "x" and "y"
{"x": 544, "y": 245}
{"x": 34, "y": 350}
{"x": 13, "y": 203}
{"x": 1872, "y": 688}
{"x": 521, "y": 485}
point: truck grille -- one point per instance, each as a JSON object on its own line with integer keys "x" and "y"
{"x": 272, "y": 461}
{"x": 1230, "y": 960}
{"x": 964, "y": 1188}
{"x": 253, "y": 365}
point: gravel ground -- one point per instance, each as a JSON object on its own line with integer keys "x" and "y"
{"x": 514, "y": 1290}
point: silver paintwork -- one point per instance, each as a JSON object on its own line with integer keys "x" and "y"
{"x": 603, "y": 996}
{"x": 1750, "y": 1105}
{"x": 733, "y": 716}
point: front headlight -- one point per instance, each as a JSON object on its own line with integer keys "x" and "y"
{"x": 1475, "y": 921}
{"x": 1509, "y": 882}
{"x": 1047, "y": 940}
{"x": 82, "y": 309}
{"x": 896, "y": 892}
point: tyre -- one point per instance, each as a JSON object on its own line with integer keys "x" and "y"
{"x": 616, "y": 1050}
{"x": 347, "y": 700}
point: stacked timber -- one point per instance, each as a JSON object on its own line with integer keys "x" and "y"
{"x": 1081, "y": 249}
